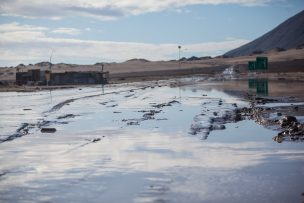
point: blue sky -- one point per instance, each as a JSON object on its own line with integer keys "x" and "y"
{"x": 89, "y": 31}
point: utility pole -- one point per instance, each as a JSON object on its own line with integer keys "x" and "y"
{"x": 179, "y": 50}
{"x": 49, "y": 72}
{"x": 179, "y": 63}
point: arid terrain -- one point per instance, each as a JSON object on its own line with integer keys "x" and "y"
{"x": 290, "y": 61}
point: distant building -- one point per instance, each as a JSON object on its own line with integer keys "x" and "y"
{"x": 38, "y": 77}
{"x": 71, "y": 78}
{"x": 31, "y": 76}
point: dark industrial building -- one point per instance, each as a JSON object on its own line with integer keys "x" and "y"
{"x": 71, "y": 78}
{"x": 31, "y": 76}
{"x": 38, "y": 77}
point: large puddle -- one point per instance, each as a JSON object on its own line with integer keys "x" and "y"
{"x": 142, "y": 142}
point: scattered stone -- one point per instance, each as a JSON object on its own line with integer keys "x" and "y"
{"x": 287, "y": 121}
{"x": 27, "y": 109}
{"x": 278, "y": 139}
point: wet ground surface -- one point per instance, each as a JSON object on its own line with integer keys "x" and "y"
{"x": 184, "y": 140}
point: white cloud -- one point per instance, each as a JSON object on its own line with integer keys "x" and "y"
{"x": 14, "y": 26}
{"x": 32, "y": 44}
{"x": 67, "y": 31}
{"x": 104, "y": 10}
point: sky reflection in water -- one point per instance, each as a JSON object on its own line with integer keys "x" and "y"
{"x": 156, "y": 161}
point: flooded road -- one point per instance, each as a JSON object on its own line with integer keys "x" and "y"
{"x": 161, "y": 141}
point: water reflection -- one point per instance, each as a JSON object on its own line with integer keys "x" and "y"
{"x": 96, "y": 157}
{"x": 260, "y": 85}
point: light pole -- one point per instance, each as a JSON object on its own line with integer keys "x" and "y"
{"x": 179, "y": 50}
{"x": 179, "y": 64}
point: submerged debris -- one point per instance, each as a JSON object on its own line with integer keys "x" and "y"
{"x": 48, "y": 130}
{"x": 216, "y": 123}
{"x": 66, "y": 116}
{"x": 133, "y": 123}
{"x": 112, "y": 106}
{"x": 96, "y": 140}
{"x": 166, "y": 104}
{"x": 149, "y": 115}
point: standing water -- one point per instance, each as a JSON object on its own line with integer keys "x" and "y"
{"x": 141, "y": 142}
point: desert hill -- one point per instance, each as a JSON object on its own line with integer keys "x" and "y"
{"x": 289, "y": 34}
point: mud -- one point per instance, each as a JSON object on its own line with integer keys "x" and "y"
{"x": 67, "y": 116}
{"x": 20, "y": 132}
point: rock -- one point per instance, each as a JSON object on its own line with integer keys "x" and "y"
{"x": 278, "y": 139}
{"x": 287, "y": 121}
{"x": 279, "y": 114}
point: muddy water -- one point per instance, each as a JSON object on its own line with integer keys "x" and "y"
{"x": 142, "y": 142}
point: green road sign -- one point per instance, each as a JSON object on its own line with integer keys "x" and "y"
{"x": 261, "y": 63}
{"x": 251, "y": 65}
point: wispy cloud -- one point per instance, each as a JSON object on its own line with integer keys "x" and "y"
{"x": 14, "y": 26}
{"x": 67, "y": 31}
{"x": 103, "y": 10}
{"x": 29, "y": 44}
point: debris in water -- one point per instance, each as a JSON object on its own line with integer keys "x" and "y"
{"x": 166, "y": 104}
{"x": 48, "y": 130}
{"x": 96, "y": 140}
{"x": 133, "y": 123}
{"x": 66, "y": 116}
